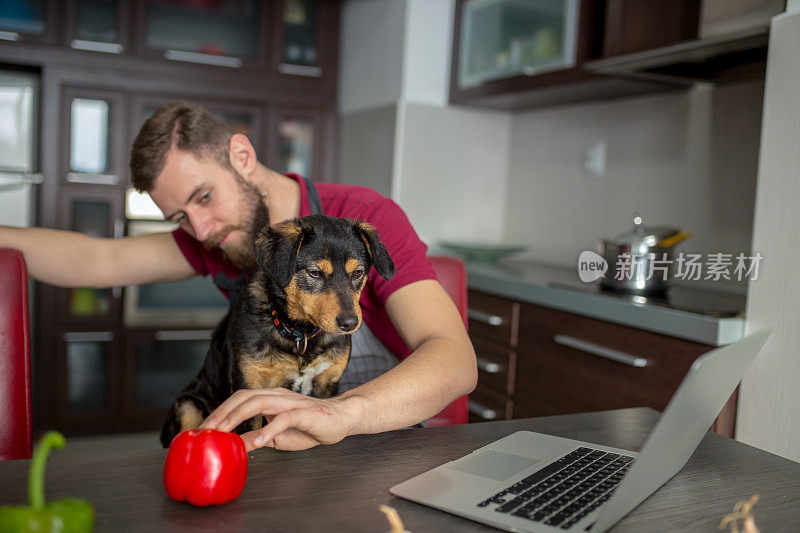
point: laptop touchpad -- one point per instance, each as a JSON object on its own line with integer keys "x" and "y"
{"x": 493, "y": 465}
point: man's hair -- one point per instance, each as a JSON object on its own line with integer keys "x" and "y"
{"x": 181, "y": 125}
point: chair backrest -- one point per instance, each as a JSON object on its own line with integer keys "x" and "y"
{"x": 453, "y": 277}
{"x": 15, "y": 376}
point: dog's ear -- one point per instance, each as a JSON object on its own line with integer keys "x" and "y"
{"x": 375, "y": 248}
{"x": 276, "y": 250}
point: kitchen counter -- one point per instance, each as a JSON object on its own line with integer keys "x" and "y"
{"x": 692, "y": 313}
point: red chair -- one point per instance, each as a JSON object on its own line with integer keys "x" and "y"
{"x": 15, "y": 375}
{"x": 453, "y": 277}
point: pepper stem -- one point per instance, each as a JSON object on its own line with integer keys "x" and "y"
{"x": 51, "y": 439}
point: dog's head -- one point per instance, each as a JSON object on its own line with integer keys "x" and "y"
{"x": 319, "y": 265}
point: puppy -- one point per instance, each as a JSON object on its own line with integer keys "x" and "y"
{"x": 291, "y": 324}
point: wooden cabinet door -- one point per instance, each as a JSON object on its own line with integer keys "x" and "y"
{"x": 83, "y": 382}
{"x": 98, "y": 26}
{"x": 93, "y": 142}
{"x": 96, "y": 212}
{"x": 572, "y": 364}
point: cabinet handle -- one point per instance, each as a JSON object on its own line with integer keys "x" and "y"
{"x": 88, "y": 336}
{"x": 16, "y": 180}
{"x": 481, "y": 410}
{"x": 94, "y": 179}
{"x": 183, "y": 335}
{"x": 97, "y": 46}
{"x": 485, "y": 318}
{"x": 300, "y": 70}
{"x": 601, "y": 351}
{"x": 488, "y": 366}
{"x": 203, "y": 59}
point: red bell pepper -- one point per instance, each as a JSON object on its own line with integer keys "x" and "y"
{"x": 206, "y": 467}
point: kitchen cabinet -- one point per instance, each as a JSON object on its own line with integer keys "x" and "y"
{"x": 98, "y": 26}
{"x": 157, "y": 365}
{"x": 94, "y": 147}
{"x": 83, "y": 369}
{"x": 562, "y": 363}
{"x": 506, "y": 51}
{"x": 94, "y": 212}
{"x": 223, "y": 34}
{"x": 28, "y": 21}
{"x": 493, "y": 327}
{"x": 513, "y": 54}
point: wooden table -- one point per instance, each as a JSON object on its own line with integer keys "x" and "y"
{"x": 339, "y": 487}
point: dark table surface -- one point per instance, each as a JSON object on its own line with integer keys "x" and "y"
{"x": 339, "y": 487}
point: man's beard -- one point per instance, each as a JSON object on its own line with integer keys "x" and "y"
{"x": 255, "y": 217}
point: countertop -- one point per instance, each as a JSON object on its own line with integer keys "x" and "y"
{"x": 721, "y": 321}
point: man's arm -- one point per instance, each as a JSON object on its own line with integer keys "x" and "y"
{"x": 71, "y": 259}
{"x": 440, "y": 368}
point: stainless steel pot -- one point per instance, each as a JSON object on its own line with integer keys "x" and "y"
{"x": 631, "y": 256}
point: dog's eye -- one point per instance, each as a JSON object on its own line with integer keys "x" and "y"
{"x": 357, "y": 273}
{"x": 314, "y": 273}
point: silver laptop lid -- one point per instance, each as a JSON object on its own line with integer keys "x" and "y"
{"x": 707, "y": 386}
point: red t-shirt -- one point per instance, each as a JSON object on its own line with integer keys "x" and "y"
{"x": 404, "y": 246}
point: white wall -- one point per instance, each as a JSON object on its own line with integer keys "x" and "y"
{"x": 371, "y": 54}
{"x": 770, "y": 395}
{"x": 452, "y": 169}
{"x": 685, "y": 159}
{"x": 428, "y": 44}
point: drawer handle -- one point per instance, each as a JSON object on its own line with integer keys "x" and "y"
{"x": 488, "y": 366}
{"x": 485, "y": 318}
{"x": 480, "y": 410}
{"x": 601, "y": 351}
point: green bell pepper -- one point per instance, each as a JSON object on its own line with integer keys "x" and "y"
{"x": 69, "y": 515}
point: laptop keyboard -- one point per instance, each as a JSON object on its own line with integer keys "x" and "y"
{"x": 565, "y": 491}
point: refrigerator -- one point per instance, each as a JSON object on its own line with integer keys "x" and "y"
{"x": 19, "y": 133}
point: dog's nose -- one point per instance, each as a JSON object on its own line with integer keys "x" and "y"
{"x": 347, "y": 323}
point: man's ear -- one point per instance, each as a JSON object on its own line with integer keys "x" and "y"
{"x": 242, "y": 155}
{"x": 276, "y": 250}
{"x": 375, "y": 248}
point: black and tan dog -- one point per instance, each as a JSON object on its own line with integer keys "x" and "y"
{"x": 290, "y": 325}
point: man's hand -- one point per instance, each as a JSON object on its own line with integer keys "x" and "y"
{"x": 295, "y": 421}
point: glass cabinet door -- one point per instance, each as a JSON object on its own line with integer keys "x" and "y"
{"x": 96, "y": 214}
{"x": 505, "y": 38}
{"x": 92, "y": 136}
{"x": 224, "y": 34}
{"x": 165, "y": 364}
{"x": 299, "y": 49}
{"x": 295, "y": 145}
{"x": 84, "y": 379}
{"x": 97, "y": 25}
{"x": 27, "y": 20}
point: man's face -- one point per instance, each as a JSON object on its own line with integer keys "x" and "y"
{"x": 215, "y": 205}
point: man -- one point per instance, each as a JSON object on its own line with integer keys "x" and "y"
{"x": 210, "y": 183}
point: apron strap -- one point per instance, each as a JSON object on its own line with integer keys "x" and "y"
{"x": 314, "y": 202}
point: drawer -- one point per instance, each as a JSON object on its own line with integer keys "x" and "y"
{"x": 493, "y": 318}
{"x": 563, "y": 364}
{"x": 486, "y": 405}
{"x": 496, "y": 366}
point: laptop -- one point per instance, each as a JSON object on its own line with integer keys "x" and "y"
{"x": 541, "y": 483}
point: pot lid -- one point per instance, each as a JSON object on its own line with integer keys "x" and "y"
{"x": 649, "y": 235}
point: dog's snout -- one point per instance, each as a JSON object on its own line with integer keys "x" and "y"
{"x": 347, "y": 322}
